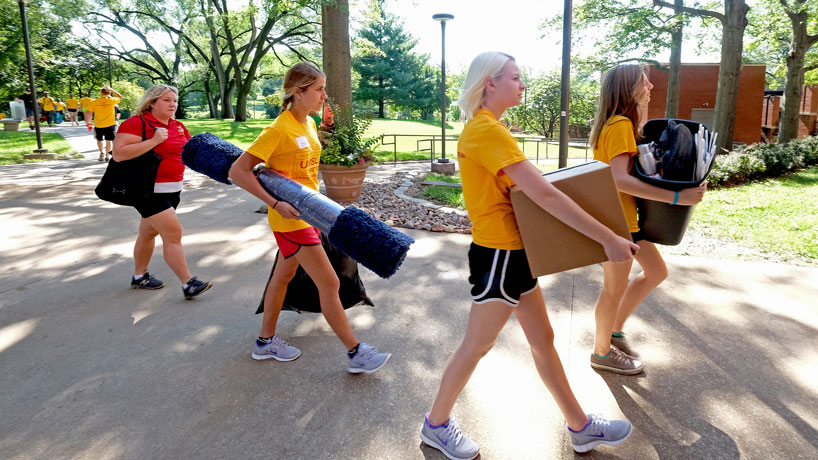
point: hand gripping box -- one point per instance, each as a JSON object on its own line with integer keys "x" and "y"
{"x": 552, "y": 246}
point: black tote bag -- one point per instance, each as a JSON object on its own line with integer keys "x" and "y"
{"x": 131, "y": 181}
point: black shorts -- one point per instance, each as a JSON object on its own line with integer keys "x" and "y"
{"x": 157, "y": 203}
{"x": 638, "y": 236}
{"x": 499, "y": 275}
{"x": 72, "y": 110}
{"x": 106, "y": 133}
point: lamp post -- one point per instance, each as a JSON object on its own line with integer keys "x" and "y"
{"x": 442, "y": 165}
{"x": 110, "y": 77}
{"x": 35, "y": 105}
{"x": 565, "y": 84}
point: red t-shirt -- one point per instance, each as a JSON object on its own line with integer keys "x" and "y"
{"x": 171, "y": 169}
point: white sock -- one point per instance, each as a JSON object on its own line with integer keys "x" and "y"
{"x": 138, "y": 277}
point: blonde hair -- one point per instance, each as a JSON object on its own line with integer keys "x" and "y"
{"x": 301, "y": 76}
{"x": 616, "y": 97}
{"x": 104, "y": 91}
{"x": 151, "y": 95}
{"x": 485, "y": 65}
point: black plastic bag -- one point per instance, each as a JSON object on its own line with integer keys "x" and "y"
{"x": 679, "y": 157}
{"x": 302, "y": 294}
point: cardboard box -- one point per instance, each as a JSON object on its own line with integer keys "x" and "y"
{"x": 552, "y": 246}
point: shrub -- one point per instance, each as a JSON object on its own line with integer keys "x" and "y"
{"x": 755, "y": 161}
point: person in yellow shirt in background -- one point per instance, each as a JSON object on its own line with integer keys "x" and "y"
{"x": 49, "y": 106}
{"x": 103, "y": 116}
{"x": 84, "y": 103}
{"x": 72, "y": 105}
{"x": 59, "y": 116}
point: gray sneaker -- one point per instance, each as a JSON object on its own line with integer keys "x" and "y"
{"x": 599, "y": 430}
{"x": 448, "y": 439}
{"x": 367, "y": 360}
{"x": 276, "y": 349}
{"x": 624, "y": 347}
{"x": 618, "y": 362}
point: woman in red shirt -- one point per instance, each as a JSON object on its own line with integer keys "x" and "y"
{"x": 153, "y": 122}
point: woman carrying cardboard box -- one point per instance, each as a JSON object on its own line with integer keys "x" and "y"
{"x": 490, "y": 164}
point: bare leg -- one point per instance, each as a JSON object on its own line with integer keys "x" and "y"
{"x": 99, "y": 146}
{"x": 613, "y": 288}
{"x": 485, "y": 322}
{"x": 143, "y": 248}
{"x": 167, "y": 225}
{"x": 276, "y": 291}
{"x": 316, "y": 264}
{"x": 654, "y": 271}
{"x": 533, "y": 318}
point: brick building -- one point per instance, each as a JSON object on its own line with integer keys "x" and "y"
{"x": 807, "y": 116}
{"x": 697, "y": 97}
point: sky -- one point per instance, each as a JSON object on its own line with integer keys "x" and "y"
{"x": 510, "y": 26}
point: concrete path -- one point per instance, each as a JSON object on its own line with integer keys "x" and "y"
{"x": 94, "y": 370}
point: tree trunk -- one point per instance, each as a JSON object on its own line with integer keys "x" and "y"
{"x": 337, "y": 61}
{"x": 211, "y": 103}
{"x": 729, "y": 71}
{"x": 673, "y": 78}
{"x": 227, "y": 101}
{"x": 793, "y": 91}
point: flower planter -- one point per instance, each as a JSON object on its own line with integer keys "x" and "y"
{"x": 343, "y": 183}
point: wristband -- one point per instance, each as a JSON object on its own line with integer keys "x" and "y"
{"x": 675, "y": 198}
{"x": 274, "y": 206}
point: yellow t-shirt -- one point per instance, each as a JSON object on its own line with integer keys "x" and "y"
{"x": 85, "y": 102}
{"x": 484, "y": 149}
{"x": 291, "y": 149}
{"x": 60, "y": 106}
{"x": 616, "y": 138}
{"x": 48, "y": 104}
{"x": 72, "y": 103}
{"x": 104, "y": 113}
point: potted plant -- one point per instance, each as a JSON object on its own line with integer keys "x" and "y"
{"x": 346, "y": 154}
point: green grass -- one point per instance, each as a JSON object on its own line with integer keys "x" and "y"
{"x": 17, "y": 143}
{"x": 452, "y": 196}
{"x": 241, "y": 134}
{"x": 776, "y": 215}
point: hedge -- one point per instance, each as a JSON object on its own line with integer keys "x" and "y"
{"x": 758, "y": 161}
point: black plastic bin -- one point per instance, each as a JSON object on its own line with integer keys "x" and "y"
{"x": 663, "y": 223}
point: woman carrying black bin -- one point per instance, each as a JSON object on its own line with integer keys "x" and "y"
{"x": 622, "y": 108}
{"x": 153, "y": 128}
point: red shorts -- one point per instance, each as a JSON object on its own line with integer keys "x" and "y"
{"x": 290, "y": 242}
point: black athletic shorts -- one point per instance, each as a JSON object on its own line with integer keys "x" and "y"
{"x": 638, "y": 236}
{"x": 104, "y": 133}
{"x": 72, "y": 110}
{"x": 499, "y": 275}
{"x": 157, "y": 203}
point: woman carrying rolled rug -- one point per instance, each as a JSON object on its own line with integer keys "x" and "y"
{"x": 153, "y": 128}
{"x": 290, "y": 147}
{"x": 490, "y": 164}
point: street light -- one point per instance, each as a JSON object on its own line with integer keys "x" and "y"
{"x": 110, "y": 79}
{"x": 442, "y": 18}
{"x": 34, "y": 105}
{"x": 565, "y": 82}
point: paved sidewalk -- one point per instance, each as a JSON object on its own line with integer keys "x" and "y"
{"x": 94, "y": 370}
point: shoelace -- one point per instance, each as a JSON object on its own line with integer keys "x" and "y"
{"x": 367, "y": 353}
{"x": 279, "y": 342}
{"x": 619, "y": 356}
{"x": 598, "y": 423}
{"x": 453, "y": 431}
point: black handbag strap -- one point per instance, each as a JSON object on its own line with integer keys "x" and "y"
{"x": 144, "y": 136}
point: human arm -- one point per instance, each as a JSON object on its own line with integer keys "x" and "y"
{"x": 128, "y": 146}
{"x": 530, "y": 181}
{"x": 626, "y": 183}
{"x": 241, "y": 173}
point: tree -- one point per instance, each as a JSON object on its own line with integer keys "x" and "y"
{"x": 540, "y": 111}
{"x": 336, "y": 53}
{"x": 803, "y": 17}
{"x": 733, "y": 21}
{"x": 636, "y": 27}
{"x": 385, "y": 61}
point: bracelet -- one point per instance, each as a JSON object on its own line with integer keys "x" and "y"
{"x": 274, "y": 206}
{"x": 675, "y": 198}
